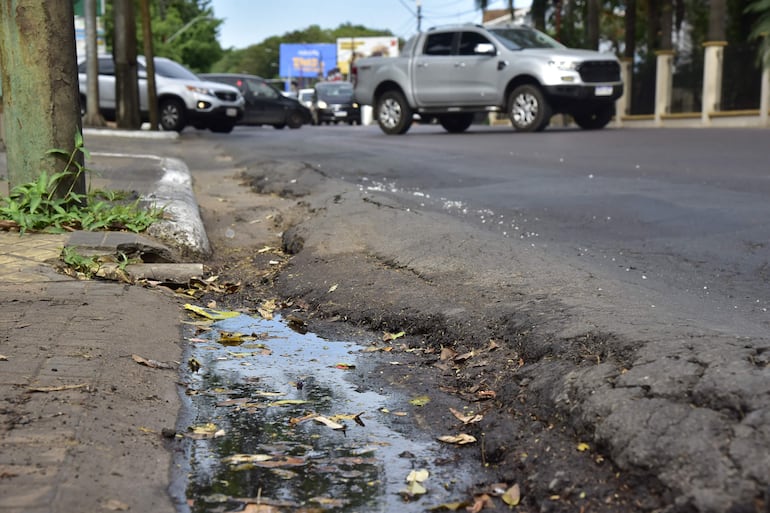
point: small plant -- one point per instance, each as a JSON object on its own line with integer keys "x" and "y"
{"x": 35, "y": 206}
{"x": 89, "y": 266}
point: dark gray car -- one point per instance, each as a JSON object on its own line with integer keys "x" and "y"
{"x": 265, "y": 105}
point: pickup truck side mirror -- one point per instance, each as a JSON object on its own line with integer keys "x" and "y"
{"x": 485, "y": 49}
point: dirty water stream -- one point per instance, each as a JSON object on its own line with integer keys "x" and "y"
{"x": 275, "y": 424}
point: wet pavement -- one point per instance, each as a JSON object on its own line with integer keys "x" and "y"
{"x": 277, "y": 420}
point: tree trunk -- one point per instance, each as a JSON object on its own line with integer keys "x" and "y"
{"x": 93, "y": 116}
{"x": 666, "y": 24}
{"x": 592, "y": 20}
{"x": 149, "y": 55}
{"x": 537, "y": 11}
{"x": 630, "y": 42}
{"x": 40, "y": 89}
{"x": 717, "y": 15}
{"x": 126, "y": 86}
{"x": 653, "y": 26}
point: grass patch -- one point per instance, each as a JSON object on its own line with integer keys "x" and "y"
{"x": 36, "y": 207}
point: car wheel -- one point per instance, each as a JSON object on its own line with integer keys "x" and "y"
{"x": 456, "y": 123}
{"x": 172, "y": 115}
{"x": 528, "y": 109}
{"x": 223, "y": 127}
{"x": 279, "y": 126}
{"x": 294, "y": 120}
{"x": 393, "y": 113}
{"x": 595, "y": 119}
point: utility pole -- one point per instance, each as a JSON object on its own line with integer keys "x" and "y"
{"x": 419, "y": 15}
{"x": 40, "y": 90}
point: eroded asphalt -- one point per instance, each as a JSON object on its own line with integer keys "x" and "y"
{"x": 660, "y": 396}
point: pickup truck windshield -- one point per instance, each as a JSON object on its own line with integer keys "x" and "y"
{"x": 519, "y": 38}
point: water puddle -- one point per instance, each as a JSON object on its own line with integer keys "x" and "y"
{"x": 277, "y": 426}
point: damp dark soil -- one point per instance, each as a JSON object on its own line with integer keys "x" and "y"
{"x": 480, "y": 345}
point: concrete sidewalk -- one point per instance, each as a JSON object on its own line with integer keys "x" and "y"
{"x": 80, "y": 420}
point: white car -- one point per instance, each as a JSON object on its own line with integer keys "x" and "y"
{"x": 305, "y": 97}
{"x": 183, "y": 98}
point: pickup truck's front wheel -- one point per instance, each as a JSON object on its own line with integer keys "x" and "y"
{"x": 528, "y": 108}
{"x": 393, "y": 113}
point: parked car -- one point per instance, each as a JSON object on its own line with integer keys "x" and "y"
{"x": 333, "y": 103}
{"x": 305, "y": 97}
{"x": 265, "y": 105}
{"x": 183, "y": 98}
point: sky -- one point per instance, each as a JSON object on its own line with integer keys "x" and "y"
{"x": 249, "y": 22}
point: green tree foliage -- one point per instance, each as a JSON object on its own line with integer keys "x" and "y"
{"x": 262, "y": 58}
{"x": 183, "y": 30}
{"x": 761, "y": 28}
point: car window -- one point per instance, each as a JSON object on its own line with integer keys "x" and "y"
{"x": 439, "y": 44}
{"x": 170, "y": 69}
{"x": 106, "y": 66}
{"x": 469, "y": 40}
{"x": 516, "y": 38}
{"x": 335, "y": 91}
{"x": 261, "y": 89}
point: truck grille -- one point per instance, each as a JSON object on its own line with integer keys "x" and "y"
{"x": 225, "y": 96}
{"x": 599, "y": 71}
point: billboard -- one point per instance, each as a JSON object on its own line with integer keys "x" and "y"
{"x": 351, "y": 48}
{"x": 300, "y": 61}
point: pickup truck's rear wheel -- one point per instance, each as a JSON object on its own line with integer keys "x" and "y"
{"x": 528, "y": 108}
{"x": 456, "y": 123}
{"x": 595, "y": 119}
{"x": 172, "y": 115}
{"x": 393, "y": 113}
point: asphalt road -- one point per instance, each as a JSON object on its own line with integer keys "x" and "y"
{"x": 682, "y": 213}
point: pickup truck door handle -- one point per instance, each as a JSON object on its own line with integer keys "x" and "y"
{"x": 501, "y": 65}
{"x": 459, "y": 64}
{"x": 422, "y": 64}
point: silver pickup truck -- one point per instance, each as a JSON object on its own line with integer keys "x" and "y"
{"x": 451, "y": 73}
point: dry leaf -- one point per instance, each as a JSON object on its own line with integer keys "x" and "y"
{"x": 466, "y": 419}
{"x": 417, "y": 475}
{"x": 582, "y": 447}
{"x": 480, "y": 502}
{"x": 328, "y": 422}
{"x": 512, "y": 495}
{"x": 153, "y": 364}
{"x": 460, "y": 439}
{"x": 57, "y": 389}
{"x": 421, "y": 400}
{"x": 333, "y": 287}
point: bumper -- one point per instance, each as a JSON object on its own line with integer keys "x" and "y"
{"x": 217, "y": 114}
{"x": 342, "y": 114}
{"x": 596, "y": 92}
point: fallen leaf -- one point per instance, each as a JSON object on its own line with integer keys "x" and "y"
{"x": 418, "y": 475}
{"x": 116, "y": 505}
{"x": 333, "y": 287}
{"x": 449, "y": 506}
{"x": 328, "y": 422}
{"x": 153, "y": 364}
{"x": 3, "y": 358}
{"x": 466, "y": 419}
{"x": 460, "y": 439}
{"x": 286, "y": 402}
{"x": 512, "y": 495}
{"x": 480, "y": 502}
{"x": 345, "y": 366}
{"x": 447, "y": 353}
{"x": 237, "y": 459}
{"x": 204, "y": 431}
{"x": 208, "y": 313}
{"x": 386, "y": 337}
{"x": 582, "y": 447}
{"x": 57, "y": 389}
{"x": 421, "y": 400}
{"x": 415, "y": 488}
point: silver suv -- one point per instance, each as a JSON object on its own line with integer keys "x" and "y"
{"x": 183, "y": 98}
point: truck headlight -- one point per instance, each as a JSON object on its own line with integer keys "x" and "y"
{"x": 564, "y": 65}
{"x": 322, "y": 104}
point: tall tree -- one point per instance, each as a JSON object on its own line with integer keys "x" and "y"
{"x": 40, "y": 89}
{"x": 126, "y": 76}
{"x": 93, "y": 117}
{"x": 761, "y": 27}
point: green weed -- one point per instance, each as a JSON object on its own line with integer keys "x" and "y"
{"x": 36, "y": 206}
